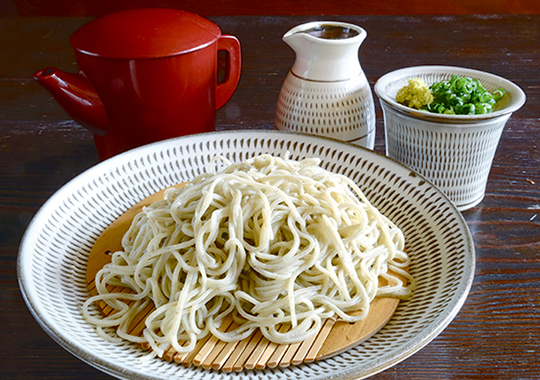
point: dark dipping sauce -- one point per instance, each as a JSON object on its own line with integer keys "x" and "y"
{"x": 331, "y": 32}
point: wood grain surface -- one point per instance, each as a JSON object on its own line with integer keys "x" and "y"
{"x": 496, "y": 335}
{"x": 274, "y": 7}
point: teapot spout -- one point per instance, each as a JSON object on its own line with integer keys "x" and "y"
{"x": 77, "y": 96}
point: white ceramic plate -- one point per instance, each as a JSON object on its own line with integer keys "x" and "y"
{"x": 55, "y": 249}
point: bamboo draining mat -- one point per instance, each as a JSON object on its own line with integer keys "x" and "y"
{"x": 254, "y": 352}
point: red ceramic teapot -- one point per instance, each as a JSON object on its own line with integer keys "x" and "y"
{"x": 145, "y": 75}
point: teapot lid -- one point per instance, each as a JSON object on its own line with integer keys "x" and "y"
{"x": 145, "y": 33}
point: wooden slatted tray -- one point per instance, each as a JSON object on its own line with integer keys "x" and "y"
{"x": 254, "y": 352}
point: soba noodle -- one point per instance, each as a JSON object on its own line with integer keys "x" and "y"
{"x": 269, "y": 241}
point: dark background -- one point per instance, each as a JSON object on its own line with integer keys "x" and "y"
{"x": 496, "y": 335}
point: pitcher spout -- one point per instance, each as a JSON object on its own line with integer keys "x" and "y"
{"x": 77, "y": 97}
{"x": 326, "y": 50}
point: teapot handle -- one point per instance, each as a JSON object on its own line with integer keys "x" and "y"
{"x": 226, "y": 87}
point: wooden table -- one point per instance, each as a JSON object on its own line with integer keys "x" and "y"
{"x": 496, "y": 335}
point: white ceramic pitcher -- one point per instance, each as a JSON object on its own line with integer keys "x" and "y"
{"x": 326, "y": 92}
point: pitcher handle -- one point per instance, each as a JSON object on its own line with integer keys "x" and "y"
{"x": 226, "y": 87}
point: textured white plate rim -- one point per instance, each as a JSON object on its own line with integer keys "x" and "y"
{"x": 113, "y": 369}
{"x": 385, "y": 80}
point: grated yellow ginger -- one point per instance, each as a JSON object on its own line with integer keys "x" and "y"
{"x": 415, "y": 95}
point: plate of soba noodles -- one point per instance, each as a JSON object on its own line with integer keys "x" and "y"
{"x": 246, "y": 254}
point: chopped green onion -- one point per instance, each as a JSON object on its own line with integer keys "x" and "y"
{"x": 462, "y": 96}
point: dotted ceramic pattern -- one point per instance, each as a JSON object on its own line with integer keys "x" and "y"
{"x": 455, "y": 152}
{"x": 343, "y": 110}
{"x": 55, "y": 249}
{"x": 456, "y": 158}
